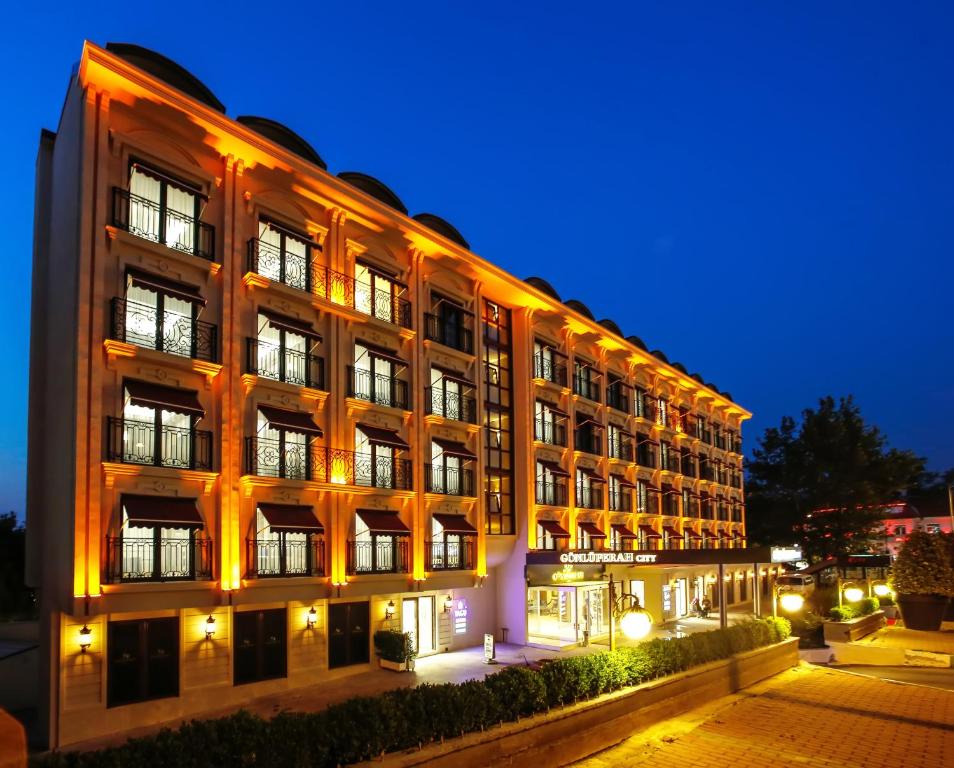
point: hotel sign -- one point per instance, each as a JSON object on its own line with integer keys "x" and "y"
{"x": 608, "y": 558}
{"x": 786, "y": 554}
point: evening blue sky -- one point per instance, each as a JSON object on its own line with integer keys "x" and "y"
{"x": 764, "y": 191}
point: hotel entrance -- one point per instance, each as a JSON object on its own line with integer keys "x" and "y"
{"x": 567, "y": 614}
{"x": 417, "y": 617}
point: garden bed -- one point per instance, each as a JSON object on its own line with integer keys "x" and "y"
{"x": 854, "y": 629}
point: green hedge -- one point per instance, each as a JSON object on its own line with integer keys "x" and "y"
{"x": 365, "y": 727}
{"x": 847, "y": 612}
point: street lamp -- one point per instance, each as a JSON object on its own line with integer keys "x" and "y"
{"x": 791, "y": 602}
{"x": 852, "y": 592}
{"x": 881, "y": 589}
{"x": 634, "y": 620}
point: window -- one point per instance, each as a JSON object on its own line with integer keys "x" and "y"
{"x": 589, "y": 536}
{"x": 617, "y": 394}
{"x": 551, "y": 484}
{"x": 548, "y": 363}
{"x": 260, "y": 649}
{"x": 380, "y": 543}
{"x": 548, "y": 426}
{"x": 162, "y": 209}
{"x": 662, "y": 411}
{"x": 686, "y": 501}
{"x": 451, "y": 543}
{"x": 283, "y": 256}
{"x": 373, "y": 463}
{"x": 449, "y": 324}
{"x": 150, "y": 551}
{"x": 642, "y": 497}
{"x": 639, "y": 402}
{"x": 620, "y": 499}
{"x": 282, "y": 451}
{"x": 374, "y": 377}
{"x": 932, "y": 528}
{"x": 142, "y": 661}
{"x": 156, "y": 435}
{"x": 585, "y": 380}
{"x": 163, "y": 315}
{"x": 446, "y": 396}
{"x": 589, "y": 489}
{"x": 900, "y": 530}
{"x": 286, "y": 542}
{"x": 378, "y": 294}
{"x": 282, "y": 351}
{"x": 447, "y": 471}
{"x": 551, "y": 535}
{"x": 498, "y": 419}
{"x": 588, "y": 436}
{"x": 618, "y": 442}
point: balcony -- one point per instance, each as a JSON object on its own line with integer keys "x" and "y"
{"x": 589, "y": 498}
{"x": 140, "y": 442}
{"x": 369, "y": 470}
{"x": 620, "y": 449}
{"x": 588, "y": 443}
{"x": 646, "y": 457}
{"x": 450, "y": 405}
{"x": 157, "y": 558}
{"x": 292, "y": 269}
{"x": 453, "y": 335}
{"x": 549, "y": 432}
{"x": 156, "y": 222}
{"x": 551, "y": 494}
{"x": 450, "y": 555}
{"x": 298, "y": 461}
{"x": 584, "y": 387}
{"x": 271, "y": 361}
{"x": 268, "y": 558}
{"x": 670, "y": 462}
{"x": 620, "y": 501}
{"x": 616, "y": 397}
{"x": 383, "y": 554}
{"x": 687, "y": 466}
{"x": 171, "y": 332}
{"x": 439, "y": 478}
{"x": 549, "y": 370}
{"x": 377, "y": 388}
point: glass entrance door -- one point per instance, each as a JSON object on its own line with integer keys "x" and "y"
{"x": 551, "y": 613}
{"x": 417, "y": 617}
{"x": 682, "y": 588}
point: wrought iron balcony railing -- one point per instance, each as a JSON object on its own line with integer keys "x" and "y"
{"x": 451, "y": 335}
{"x": 617, "y": 397}
{"x": 271, "y": 361}
{"x": 292, "y": 269}
{"x": 171, "y": 332}
{"x": 620, "y": 449}
{"x": 160, "y": 224}
{"x": 584, "y": 387}
{"x": 377, "y": 388}
{"x": 621, "y": 500}
{"x": 588, "y": 443}
{"x": 646, "y": 456}
{"x": 157, "y": 558}
{"x": 589, "y": 498}
{"x": 450, "y": 555}
{"x": 549, "y": 370}
{"x": 383, "y": 554}
{"x": 670, "y": 462}
{"x": 304, "y": 556}
{"x": 552, "y": 494}
{"x": 140, "y": 442}
{"x": 450, "y": 405}
{"x": 550, "y": 432}
{"x": 439, "y": 478}
{"x": 687, "y": 466}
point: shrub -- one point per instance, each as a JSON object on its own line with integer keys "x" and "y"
{"x": 395, "y": 646}
{"x": 363, "y": 728}
{"x": 842, "y": 613}
{"x": 923, "y": 566}
{"x": 868, "y": 606}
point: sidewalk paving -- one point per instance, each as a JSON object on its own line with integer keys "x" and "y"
{"x": 911, "y": 640}
{"x": 809, "y": 715}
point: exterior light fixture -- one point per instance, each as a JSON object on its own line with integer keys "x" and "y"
{"x": 311, "y": 619}
{"x": 791, "y": 602}
{"x": 881, "y": 589}
{"x": 852, "y": 592}
{"x": 635, "y": 623}
{"x": 85, "y": 638}
{"x": 389, "y": 610}
{"x": 448, "y": 604}
{"x": 209, "y": 627}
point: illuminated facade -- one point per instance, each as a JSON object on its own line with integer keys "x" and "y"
{"x": 271, "y": 413}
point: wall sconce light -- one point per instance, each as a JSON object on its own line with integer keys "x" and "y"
{"x": 311, "y": 619}
{"x": 448, "y": 604}
{"x": 389, "y": 610}
{"x": 209, "y": 627}
{"x": 85, "y": 638}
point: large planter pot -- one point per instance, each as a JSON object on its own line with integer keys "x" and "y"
{"x": 923, "y": 612}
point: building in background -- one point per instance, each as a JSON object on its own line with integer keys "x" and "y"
{"x": 271, "y": 413}
{"x": 901, "y": 519}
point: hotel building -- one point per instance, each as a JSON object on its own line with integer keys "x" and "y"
{"x": 271, "y": 413}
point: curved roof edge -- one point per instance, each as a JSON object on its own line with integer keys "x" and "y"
{"x": 372, "y": 186}
{"x": 611, "y": 325}
{"x": 660, "y": 355}
{"x": 637, "y": 342}
{"x": 680, "y": 367}
{"x": 283, "y": 136}
{"x": 442, "y": 227}
{"x": 579, "y": 306}
{"x": 166, "y": 70}
{"x": 542, "y": 285}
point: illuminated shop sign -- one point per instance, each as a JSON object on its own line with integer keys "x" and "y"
{"x": 460, "y": 618}
{"x": 608, "y": 557}
{"x": 568, "y": 574}
{"x": 786, "y": 554}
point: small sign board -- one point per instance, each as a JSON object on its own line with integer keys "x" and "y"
{"x": 786, "y": 554}
{"x": 490, "y": 650}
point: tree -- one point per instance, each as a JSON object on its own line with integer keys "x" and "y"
{"x": 831, "y": 461}
{"x": 16, "y": 600}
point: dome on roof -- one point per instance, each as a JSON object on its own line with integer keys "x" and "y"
{"x": 542, "y": 285}
{"x": 373, "y": 187}
{"x": 712, "y": 386}
{"x": 580, "y": 307}
{"x": 698, "y": 377}
{"x": 284, "y": 137}
{"x": 637, "y": 342}
{"x": 442, "y": 227}
{"x": 680, "y": 367}
{"x": 610, "y": 325}
{"x": 727, "y": 395}
{"x": 658, "y": 354}
{"x": 166, "y": 70}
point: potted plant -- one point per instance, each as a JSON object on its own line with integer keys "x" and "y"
{"x": 923, "y": 580}
{"x": 395, "y": 650}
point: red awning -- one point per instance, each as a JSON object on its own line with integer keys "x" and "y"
{"x": 383, "y": 521}
{"x": 652, "y": 489}
{"x": 693, "y": 535}
{"x": 554, "y": 469}
{"x": 382, "y": 436}
{"x": 623, "y": 482}
{"x": 290, "y": 324}
{"x": 165, "y": 285}
{"x": 592, "y": 474}
{"x": 454, "y": 524}
{"x": 449, "y": 373}
{"x": 672, "y": 531}
{"x": 552, "y": 527}
{"x": 580, "y": 422}
{"x": 165, "y": 511}
{"x": 149, "y": 395}
{"x": 453, "y": 448}
{"x": 381, "y": 352}
{"x": 291, "y": 518}
{"x": 554, "y": 409}
{"x": 592, "y": 529}
{"x": 644, "y": 439}
{"x": 622, "y": 430}
{"x": 650, "y": 531}
{"x": 623, "y": 532}
{"x": 710, "y": 535}
{"x": 293, "y": 421}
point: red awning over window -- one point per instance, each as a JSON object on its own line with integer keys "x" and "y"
{"x": 382, "y": 352}
{"x": 149, "y": 395}
{"x": 453, "y": 448}
{"x": 449, "y": 373}
{"x": 152, "y": 282}
{"x": 554, "y": 469}
{"x": 592, "y": 474}
{"x": 382, "y": 436}
{"x": 623, "y": 482}
{"x": 592, "y": 530}
{"x": 650, "y": 531}
{"x": 672, "y": 531}
{"x": 554, "y": 409}
{"x": 383, "y": 521}
{"x": 291, "y": 518}
{"x": 623, "y": 532}
{"x": 290, "y": 324}
{"x": 693, "y": 535}
{"x": 293, "y": 421}
{"x": 552, "y": 527}
{"x": 164, "y": 511}
{"x": 455, "y": 524}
